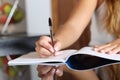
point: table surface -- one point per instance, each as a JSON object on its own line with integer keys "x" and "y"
{"x": 17, "y": 44}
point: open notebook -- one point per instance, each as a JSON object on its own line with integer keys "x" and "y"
{"x": 82, "y": 59}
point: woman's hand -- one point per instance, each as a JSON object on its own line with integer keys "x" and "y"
{"x": 48, "y": 72}
{"x": 44, "y": 47}
{"x": 112, "y": 47}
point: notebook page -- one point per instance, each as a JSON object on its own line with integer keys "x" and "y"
{"x": 32, "y": 58}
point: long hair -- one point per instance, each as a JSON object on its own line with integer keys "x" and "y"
{"x": 113, "y": 26}
{"x": 112, "y": 17}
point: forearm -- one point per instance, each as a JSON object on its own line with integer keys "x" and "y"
{"x": 67, "y": 35}
{"x": 76, "y": 23}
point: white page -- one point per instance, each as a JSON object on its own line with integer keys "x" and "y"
{"x": 33, "y": 59}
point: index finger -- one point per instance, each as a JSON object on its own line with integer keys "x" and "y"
{"x": 46, "y": 43}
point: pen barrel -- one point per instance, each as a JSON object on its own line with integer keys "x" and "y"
{"x": 51, "y": 36}
{"x": 51, "y": 32}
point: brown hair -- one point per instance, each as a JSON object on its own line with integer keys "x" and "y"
{"x": 113, "y": 26}
{"x": 112, "y": 17}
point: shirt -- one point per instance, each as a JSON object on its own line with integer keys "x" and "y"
{"x": 99, "y": 34}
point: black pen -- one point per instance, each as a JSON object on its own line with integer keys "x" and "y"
{"x": 51, "y": 33}
{"x": 51, "y": 36}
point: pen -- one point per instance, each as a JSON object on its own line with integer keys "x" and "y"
{"x": 51, "y": 32}
{"x": 51, "y": 36}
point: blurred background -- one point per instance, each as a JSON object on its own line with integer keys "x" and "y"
{"x": 30, "y": 21}
{"x": 31, "y": 17}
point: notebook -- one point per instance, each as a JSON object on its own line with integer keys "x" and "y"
{"x": 82, "y": 59}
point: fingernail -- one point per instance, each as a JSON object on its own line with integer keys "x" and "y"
{"x": 53, "y": 71}
{"x": 102, "y": 51}
{"x": 56, "y": 49}
{"x": 95, "y": 49}
{"x": 110, "y": 52}
{"x": 58, "y": 71}
{"x": 52, "y": 50}
{"x": 57, "y": 53}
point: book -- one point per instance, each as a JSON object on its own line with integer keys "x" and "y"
{"x": 82, "y": 59}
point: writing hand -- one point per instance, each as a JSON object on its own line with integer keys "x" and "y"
{"x": 44, "y": 47}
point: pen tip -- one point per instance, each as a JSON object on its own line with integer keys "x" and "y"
{"x": 50, "y": 22}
